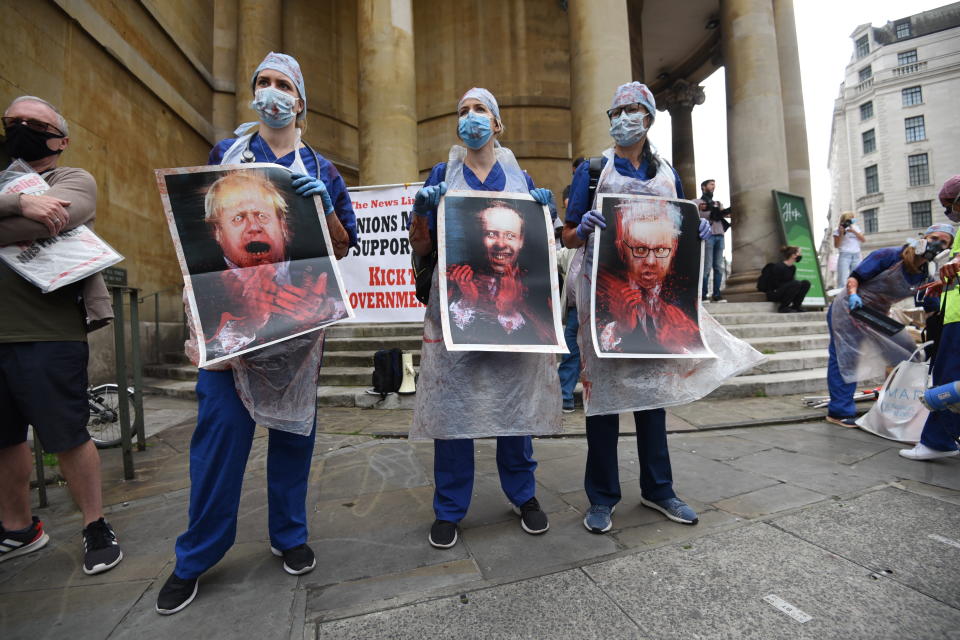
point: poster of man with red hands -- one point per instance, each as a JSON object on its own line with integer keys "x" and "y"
{"x": 257, "y": 261}
{"x": 645, "y": 279}
{"x": 498, "y": 274}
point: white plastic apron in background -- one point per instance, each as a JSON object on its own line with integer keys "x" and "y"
{"x": 613, "y": 385}
{"x": 863, "y": 352}
{"x": 477, "y": 394}
{"x": 278, "y": 384}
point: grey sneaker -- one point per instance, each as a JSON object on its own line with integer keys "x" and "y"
{"x": 674, "y": 508}
{"x": 598, "y": 519}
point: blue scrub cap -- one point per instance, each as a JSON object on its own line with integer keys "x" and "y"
{"x": 486, "y": 98}
{"x": 942, "y": 227}
{"x": 635, "y": 93}
{"x": 288, "y": 66}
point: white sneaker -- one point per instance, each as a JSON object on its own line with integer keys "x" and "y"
{"x": 923, "y": 452}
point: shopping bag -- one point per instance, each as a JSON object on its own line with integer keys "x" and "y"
{"x": 898, "y": 413}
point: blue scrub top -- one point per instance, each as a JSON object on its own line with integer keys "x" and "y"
{"x": 879, "y": 261}
{"x": 326, "y": 172}
{"x": 579, "y": 202}
{"x": 496, "y": 181}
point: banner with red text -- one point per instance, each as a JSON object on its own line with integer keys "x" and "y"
{"x": 378, "y": 274}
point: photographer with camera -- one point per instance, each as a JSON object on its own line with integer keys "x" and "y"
{"x": 712, "y": 211}
{"x": 848, "y": 238}
{"x": 857, "y": 350}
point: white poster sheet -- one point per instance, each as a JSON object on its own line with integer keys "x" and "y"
{"x": 257, "y": 261}
{"x": 497, "y": 264}
{"x": 646, "y": 279}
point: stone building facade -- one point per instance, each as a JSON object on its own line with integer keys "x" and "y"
{"x": 896, "y": 125}
{"x": 146, "y": 84}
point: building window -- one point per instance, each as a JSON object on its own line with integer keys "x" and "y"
{"x": 918, "y": 169}
{"x": 912, "y": 96}
{"x": 872, "y": 179}
{"x": 866, "y": 73}
{"x": 869, "y": 141}
{"x": 915, "y": 129}
{"x": 863, "y": 46}
{"x": 921, "y": 216}
{"x": 907, "y": 57}
{"x": 902, "y": 29}
{"x": 866, "y": 110}
{"x": 870, "y": 224}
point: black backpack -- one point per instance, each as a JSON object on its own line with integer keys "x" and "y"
{"x": 387, "y": 371}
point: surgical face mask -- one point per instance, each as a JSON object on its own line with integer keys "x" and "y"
{"x": 627, "y": 128}
{"x": 275, "y": 108}
{"x": 475, "y": 130}
{"x": 27, "y": 144}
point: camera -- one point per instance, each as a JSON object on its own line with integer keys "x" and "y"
{"x": 846, "y": 224}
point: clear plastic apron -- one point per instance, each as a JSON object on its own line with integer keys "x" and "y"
{"x": 863, "y": 353}
{"x": 278, "y": 384}
{"x": 613, "y": 385}
{"x": 477, "y": 394}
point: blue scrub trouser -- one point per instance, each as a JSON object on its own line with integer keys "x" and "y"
{"x": 453, "y": 474}
{"x": 218, "y": 457}
{"x": 841, "y": 404}
{"x": 602, "y": 476}
{"x": 569, "y": 369}
{"x": 943, "y": 427}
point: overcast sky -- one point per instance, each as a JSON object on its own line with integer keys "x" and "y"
{"x": 823, "y": 32}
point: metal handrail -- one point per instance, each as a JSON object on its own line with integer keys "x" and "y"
{"x": 158, "y": 356}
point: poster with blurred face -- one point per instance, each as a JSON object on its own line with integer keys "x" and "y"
{"x": 257, "y": 262}
{"x": 498, "y": 274}
{"x": 645, "y": 279}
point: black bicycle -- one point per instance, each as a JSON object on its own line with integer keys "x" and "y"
{"x": 104, "y": 422}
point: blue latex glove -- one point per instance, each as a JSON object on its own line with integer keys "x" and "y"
{"x": 308, "y": 187}
{"x": 428, "y": 198}
{"x": 704, "y": 228}
{"x": 542, "y": 196}
{"x": 590, "y": 221}
{"x": 854, "y": 301}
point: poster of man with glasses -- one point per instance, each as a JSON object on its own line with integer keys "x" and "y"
{"x": 645, "y": 278}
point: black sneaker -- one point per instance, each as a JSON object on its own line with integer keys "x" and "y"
{"x": 101, "y": 552}
{"x": 176, "y": 594}
{"x": 298, "y": 560}
{"x": 443, "y": 534}
{"x": 22, "y": 541}
{"x": 717, "y": 299}
{"x": 532, "y": 518}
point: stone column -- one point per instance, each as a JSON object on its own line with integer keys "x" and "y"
{"x": 791, "y": 91}
{"x": 679, "y": 100}
{"x": 387, "y": 92}
{"x": 756, "y": 145}
{"x": 599, "y": 63}
{"x": 259, "y": 31}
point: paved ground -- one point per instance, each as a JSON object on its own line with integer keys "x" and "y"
{"x": 828, "y": 523}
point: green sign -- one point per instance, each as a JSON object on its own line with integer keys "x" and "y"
{"x": 792, "y": 213}
{"x": 115, "y": 276}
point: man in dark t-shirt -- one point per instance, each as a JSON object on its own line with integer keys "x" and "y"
{"x": 779, "y": 281}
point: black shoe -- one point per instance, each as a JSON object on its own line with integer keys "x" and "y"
{"x": 443, "y": 534}
{"x": 532, "y": 518}
{"x": 22, "y": 541}
{"x": 718, "y": 299}
{"x": 787, "y": 310}
{"x": 298, "y": 560}
{"x": 176, "y": 594}
{"x": 101, "y": 552}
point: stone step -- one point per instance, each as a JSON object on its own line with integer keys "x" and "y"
{"x": 357, "y": 358}
{"x": 791, "y": 361}
{"x": 406, "y": 343}
{"x": 357, "y": 330}
{"x": 740, "y": 307}
{"x": 774, "y": 384}
{"x": 733, "y": 319}
{"x": 779, "y": 344}
{"x": 769, "y": 329}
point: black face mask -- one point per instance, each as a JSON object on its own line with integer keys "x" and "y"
{"x": 799, "y": 258}
{"x": 25, "y": 143}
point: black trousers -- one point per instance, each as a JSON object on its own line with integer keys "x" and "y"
{"x": 790, "y": 293}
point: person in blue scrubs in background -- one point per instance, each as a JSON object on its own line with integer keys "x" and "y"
{"x": 469, "y": 394}
{"x": 225, "y": 422}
